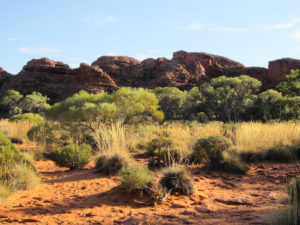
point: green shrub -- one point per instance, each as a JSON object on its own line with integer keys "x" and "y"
{"x": 252, "y": 156}
{"x": 9, "y": 155}
{"x": 34, "y": 118}
{"x": 290, "y": 216}
{"x": 4, "y": 193}
{"x": 169, "y": 156}
{"x": 158, "y": 143}
{"x": 72, "y": 156}
{"x": 210, "y": 149}
{"x": 136, "y": 178}
{"x": 22, "y": 177}
{"x": 177, "y": 179}
{"x": 231, "y": 163}
{"x": 112, "y": 163}
{"x": 280, "y": 154}
{"x": 42, "y": 133}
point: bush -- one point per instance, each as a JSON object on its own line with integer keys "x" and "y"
{"x": 136, "y": 178}
{"x": 280, "y": 154}
{"x": 231, "y": 163}
{"x": 9, "y": 155}
{"x": 22, "y": 177}
{"x": 4, "y": 193}
{"x": 210, "y": 149}
{"x": 41, "y": 133}
{"x": 72, "y": 156}
{"x": 169, "y": 156}
{"x": 252, "y": 156}
{"x": 112, "y": 163}
{"x": 159, "y": 143}
{"x": 177, "y": 179}
{"x": 31, "y": 117}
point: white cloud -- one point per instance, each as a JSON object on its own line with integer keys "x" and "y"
{"x": 38, "y": 50}
{"x": 295, "y": 35}
{"x": 111, "y": 53}
{"x": 153, "y": 50}
{"x": 99, "y": 19}
{"x": 196, "y": 26}
{"x": 15, "y": 38}
{"x": 192, "y": 27}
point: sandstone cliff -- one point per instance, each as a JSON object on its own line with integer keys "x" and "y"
{"x": 185, "y": 70}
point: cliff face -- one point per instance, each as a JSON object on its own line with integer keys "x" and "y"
{"x": 58, "y": 81}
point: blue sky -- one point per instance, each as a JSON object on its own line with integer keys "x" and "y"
{"x": 73, "y": 31}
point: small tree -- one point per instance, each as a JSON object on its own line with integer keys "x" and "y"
{"x": 291, "y": 84}
{"x": 34, "y": 103}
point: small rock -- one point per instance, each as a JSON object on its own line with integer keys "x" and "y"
{"x": 188, "y": 213}
{"x": 90, "y": 214}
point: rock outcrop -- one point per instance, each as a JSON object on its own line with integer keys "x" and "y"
{"x": 185, "y": 70}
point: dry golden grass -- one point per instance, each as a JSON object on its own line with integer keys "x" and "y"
{"x": 15, "y": 129}
{"x": 249, "y": 137}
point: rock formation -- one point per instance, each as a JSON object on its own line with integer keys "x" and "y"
{"x": 185, "y": 70}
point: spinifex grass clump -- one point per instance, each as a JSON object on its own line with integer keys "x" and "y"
{"x": 177, "y": 179}
{"x": 158, "y": 143}
{"x": 291, "y": 215}
{"x": 4, "y": 193}
{"x": 9, "y": 156}
{"x": 112, "y": 163}
{"x": 218, "y": 154}
{"x": 280, "y": 153}
{"x": 22, "y": 177}
{"x": 210, "y": 149}
{"x": 136, "y": 178}
{"x": 72, "y": 156}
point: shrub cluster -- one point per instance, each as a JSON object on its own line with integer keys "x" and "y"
{"x": 111, "y": 163}
{"x": 177, "y": 179}
{"x": 136, "y": 178}
{"x": 218, "y": 154}
{"x": 72, "y": 156}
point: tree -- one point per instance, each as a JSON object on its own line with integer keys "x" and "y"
{"x": 268, "y": 105}
{"x": 136, "y": 105}
{"x": 34, "y": 103}
{"x": 228, "y": 97}
{"x": 291, "y": 84}
{"x": 171, "y": 102}
{"x": 9, "y": 102}
{"x": 91, "y": 110}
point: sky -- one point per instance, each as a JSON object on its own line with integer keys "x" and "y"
{"x": 74, "y": 31}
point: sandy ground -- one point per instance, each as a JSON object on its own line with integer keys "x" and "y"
{"x": 85, "y": 197}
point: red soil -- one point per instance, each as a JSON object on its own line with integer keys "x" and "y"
{"x": 85, "y": 197}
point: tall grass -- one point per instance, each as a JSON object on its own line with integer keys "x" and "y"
{"x": 248, "y": 136}
{"x": 16, "y": 129}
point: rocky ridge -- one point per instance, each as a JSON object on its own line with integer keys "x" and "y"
{"x": 185, "y": 70}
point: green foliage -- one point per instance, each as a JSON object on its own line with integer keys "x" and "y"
{"x": 42, "y": 133}
{"x": 229, "y": 97}
{"x": 177, "y": 179}
{"x": 136, "y": 105}
{"x": 291, "y": 84}
{"x": 210, "y": 149}
{"x": 169, "y": 156}
{"x": 136, "y": 178}
{"x": 34, "y": 103}
{"x": 231, "y": 163}
{"x": 22, "y": 177}
{"x": 158, "y": 143}
{"x": 72, "y": 156}
{"x": 34, "y": 118}
{"x": 280, "y": 153}
{"x": 171, "y": 102}
{"x": 112, "y": 163}
{"x": 9, "y": 102}
{"x": 91, "y": 110}
{"x": 9, "y": 155}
